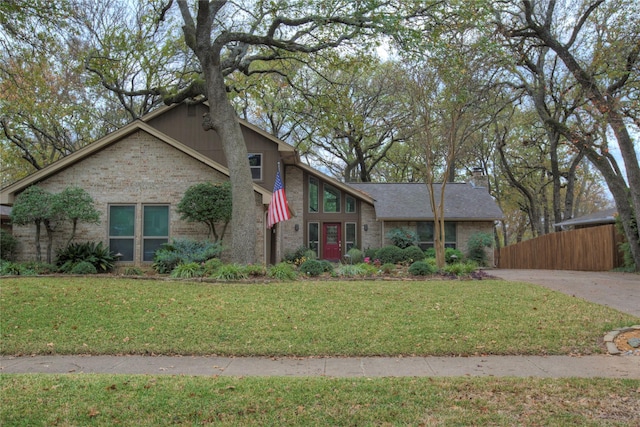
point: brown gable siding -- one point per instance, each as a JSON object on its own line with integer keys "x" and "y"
{"x": 186, "y": 127}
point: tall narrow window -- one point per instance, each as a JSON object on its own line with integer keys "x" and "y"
{"x": 350, "y": 235}
{"x": 122, "y": 220}
{"x": 350, "y": 204}
{"x": 450, "y": 235}
{"x": 331, "y": 199}
{"x": 255, "y": 163}
{"x": 313, "y": 194}
{"x": 155, "y": 229}
{"x": 425, "y": 235}
{"x": 314, "y": 237}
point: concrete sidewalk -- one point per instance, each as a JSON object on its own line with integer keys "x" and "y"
{"x": 497, "y": 366}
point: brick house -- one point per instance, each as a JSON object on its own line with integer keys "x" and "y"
{"x": 138, "y": 174}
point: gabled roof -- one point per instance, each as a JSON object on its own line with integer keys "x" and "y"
{"x": 607, "y": 216}
{"x": 410, "y": 202}
{"x": 8, "y": 193}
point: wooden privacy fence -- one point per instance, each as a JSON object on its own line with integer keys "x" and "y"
{"x": 585, "y": 249}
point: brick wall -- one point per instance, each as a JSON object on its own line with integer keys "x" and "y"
{"x": 137, "y": 170}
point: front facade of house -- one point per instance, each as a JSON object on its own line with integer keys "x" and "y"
{"x": 138, "y": 174}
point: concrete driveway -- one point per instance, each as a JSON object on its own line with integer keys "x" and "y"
{"x": 620, "y": 291}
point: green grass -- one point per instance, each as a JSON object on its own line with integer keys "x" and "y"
{"x": 116, "y": 316}
{"x": 105, "y": 400}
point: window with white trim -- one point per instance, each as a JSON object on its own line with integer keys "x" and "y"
{"x": 350, "y": 235}
{"x": 255, "y": 164}
{"x": 313, "y": 237}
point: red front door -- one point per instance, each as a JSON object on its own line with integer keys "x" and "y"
{"x": 331, "y": 242}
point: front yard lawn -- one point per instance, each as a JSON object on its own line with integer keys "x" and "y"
{"x": 100, "y": 315}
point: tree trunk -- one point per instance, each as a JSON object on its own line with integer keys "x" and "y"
{"x": 223, "y": 119}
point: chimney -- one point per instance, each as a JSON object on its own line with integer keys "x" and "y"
{"x": 479, "y": 179}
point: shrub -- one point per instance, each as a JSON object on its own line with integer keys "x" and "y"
{"x": 452, "y": 255}
{"x": 327, "y": 266}
{"x": 402, "y": 237}
{"x": 254, "y": 270}
{"x": 370, "y": 253}
{"x": 211, "y": 266}
{"x": 421, "y": 268}
{"x": 184, "y": 251}
{"x": 355, "y": 255}
{"x": 96, "y": 254}
{"x": 388, "y": 268}
{"x": 40, "y": 267}
{"x": 187, "y": 271}
{"x": 299, "y": 255}
{"x": 84, "y": 267}
{"x": 413, "y": 253}
{"x": 8, "y": 245}
{"x": 312, "y": 267}
{"x": 230, "y": 272}
{"x": 390, "y": 254}
{"x": 351, "y": 270}
{"x": 132, "y": 271}
{"x": 476, "y": 247}
{"x": 8, "y": 268}
{"x": 282, "y": 271}
{"x": 461, "y": 268}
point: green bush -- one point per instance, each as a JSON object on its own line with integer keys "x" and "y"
{"x": 187, "y": 271}
{"x": 228, "y": 272}
{"x": 132, "y": 271}
{"x": 254, "y": 270}
{"x": 351, "y": 270}
{"x": 422, "y": 268}
{"x": 476, "y": 247}
{"x": 184, "y": 251}
{"x": 413, "y": 253}
{"x": 355, "y": 255}
{"x": 8, "y": 268}
{"x": 461, "y": 268}
{"x": 96, "y": 254}
{"x": 371, "y": 253}
{"x": 451, "y": 255}
{"x": 211, "y": 266}
{"x": 312, "y": 267}
{"x": 84, "y": 267}
{"x": 390, "y": 254}
{"x": 298, "y": 255}
{"x": 40, "y": 267}
{"x": 402, "y": 237}
{"x": 283, "y": 271}
{"x": 388, "y": 268}
{"x": 8, "y": 245}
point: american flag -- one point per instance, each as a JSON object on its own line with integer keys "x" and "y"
{"x": 278, "y": 208}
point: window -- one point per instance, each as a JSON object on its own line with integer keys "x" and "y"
{"x": 255, "y": 163}
{"x": 350, "y": 235}
{"x": 350, "y": 204}
{"x": 314, "y": 238}
{"x": 313, "y": 195}
{"x": 426, "y": 234}
{"x": 155, "y": 229}
{"x": 122, "y": 230}
{"x": 331, "y": 199}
